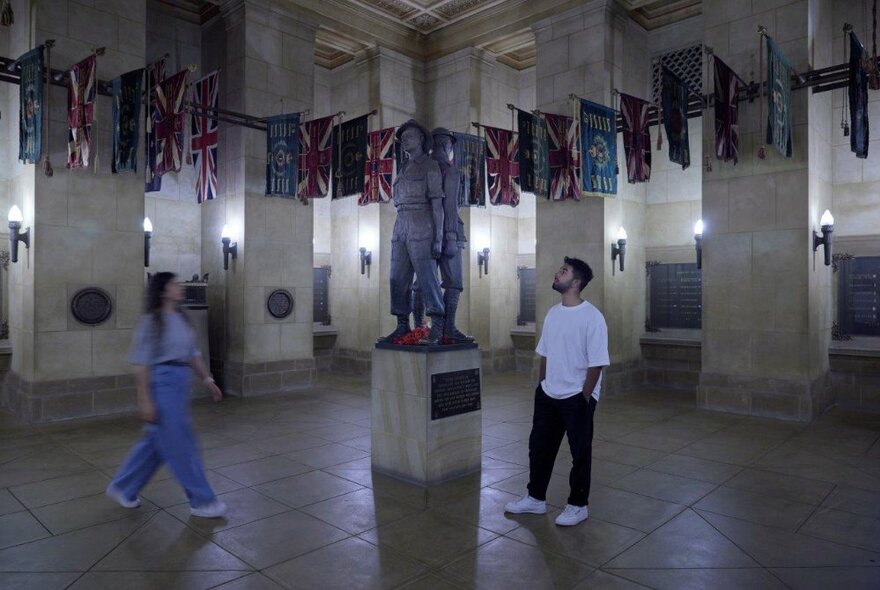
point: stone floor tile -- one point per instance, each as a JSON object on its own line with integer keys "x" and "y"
{"x": 433, "y": 582}
{"x": 277, "y": 538}
{"x": 446, "y": 541}
{"x": 504, "y": 563}
{"x": 717, "y": 579}
{"x": 60, "y": 489}
{"x": 20, "y": 527}
{"x": 845, "y": 528}
{"x": 81, "y": 513}
{"x": 735, "y": 451}
{"x": 287, "y": 443}
{"x": 697, "y": 545}
{"x": 799, "y": 489}
{"x": 777, "y": 548}
{"x": 361, "y": 511}
{"x": 557, "y": 492}
{"x": 340, "y": 432}
{"x": 153, "y": 580}
{"x": 166, "y": 544}
{"x": 515, "y": 452}
{"x": 37, "y": 581}
{"x": 630, "y": 510}
{"x": 8, "y": 503}
{"x": 327, "y": 455}
{"x": 350, "y": 563}
{"x": 694, "y": 468}
{"x": 756, "y": 507}
{"x": 822, "y": 578}
{"x": 256, "y": 581}
{"x": 846, "y": 498}
{"x": 664, "y": 486}
{"x": 601, "y": 580}
{"x": 307, "y": 488}
{"x": 484, "y": 509}
{"x": 242, "y": 507}
{"x": 263, "y": 470}
{"x": 626, "y": 454}
{"x": 230, "y": 455}
{"x": 168, "y": 492}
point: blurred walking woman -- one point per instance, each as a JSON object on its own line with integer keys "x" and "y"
{"x": 164, "y": 351}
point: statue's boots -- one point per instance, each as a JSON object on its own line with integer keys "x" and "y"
{"x": 435, "y": 336}
{"x": 418, "y": 307}
{"x": 450, "y": 332}
{"x": 400, "y": 331}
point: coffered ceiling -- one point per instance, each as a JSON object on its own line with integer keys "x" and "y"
{"x": 432, "y": 28}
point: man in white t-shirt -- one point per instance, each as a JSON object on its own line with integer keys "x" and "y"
{"x": 573, "y": 349}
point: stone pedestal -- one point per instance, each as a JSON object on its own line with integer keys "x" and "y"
{"x": 426, "y": 418}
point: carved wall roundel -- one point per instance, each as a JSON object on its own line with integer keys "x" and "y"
{"x": 91, "y": 306}
{"x": 280, "y": 303}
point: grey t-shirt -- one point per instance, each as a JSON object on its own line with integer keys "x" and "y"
{"x": 178, "y": 341}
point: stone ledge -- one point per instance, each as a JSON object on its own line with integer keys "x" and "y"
{"x": 73, "y": 398}
{"x": 799, "y": 401}
{"x": 251, "y": 379}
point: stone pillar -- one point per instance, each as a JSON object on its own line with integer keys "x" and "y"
{"x": 86, "y": 231}
{"x": 583, "y": 52}
{"x": 269, "y": 69}
{"x": 766, "y": 295}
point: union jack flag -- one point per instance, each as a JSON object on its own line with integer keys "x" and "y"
{"x": 565, "y": 158}
{"x": 502, "y": 165}
{"x": 379, "y": 168}
{"x": 636, "y": 138}
{"x": 170, "y": 122}
{"x": 81, "y": 93}
{"x": 315, "y": 156}
{"x": 204, "y": 138}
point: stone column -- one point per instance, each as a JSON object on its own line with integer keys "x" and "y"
{"x": 86, "y": 232}
{"x": 269, "y": 70}
{"x": 766, "y": 295}
{"x": 588, "y": 51}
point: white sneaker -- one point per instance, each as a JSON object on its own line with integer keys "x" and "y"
{"x": 215, "y": 509}
{"x": 117, "y": 496}
{"x": 572, "y": 515}
{"x": 526, "y": 505}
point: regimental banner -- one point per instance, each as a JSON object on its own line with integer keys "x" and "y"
{"x": 598, "y": 149}
{"x": 282, "y": 146}
{"x": 470, "y": 157}
{"x": 170, "y": 123}
{"x": 348, "y": 176}
{"x": 502, "y": 166}
{"x": 155, "y": 74}
{"x": 30, "y": 96}
{"x": 379, "y": 167}
{"x": 315, "y": 157}
{"x": 205, "y": 137}
{"x": 675, "y": 106}
{"x": 636, "y": 138}
{"x": 858, "y": 97}
{"x": 564, "y": 157}
{"x": 534, "y": 171}
{"x": 726, "y": 113}
{"x": 126, "y": 120}
{"x": 82, "y": 90}
{"x": 778, "y": 99}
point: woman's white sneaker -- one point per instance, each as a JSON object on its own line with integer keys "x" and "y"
{"x": 572, "y": 515}
{"x": 215, "y": 509}
{"x": 526, "y": 505}
{"x": 117, "y": 496}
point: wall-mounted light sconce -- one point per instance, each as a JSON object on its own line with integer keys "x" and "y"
{"x": 827, "y": 223}
{"x": 148, "y": 234}
{"x": 366, "y": 259}
{"x": 15, "y": 233}
{"x": 618, "y": 250}
{"x": 698, "y": 242}
{"x": 483, "y": 261}
{"x": 229, "y": 247}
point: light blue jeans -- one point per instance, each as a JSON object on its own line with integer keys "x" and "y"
{"x": 170, "y": 440}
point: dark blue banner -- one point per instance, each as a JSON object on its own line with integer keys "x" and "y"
{"x": 127, "y": 101}
{"x": 534, "y": 167}
{"x": 778, "y": 99}
{"x": 470, "y": 157}
{"x": 674, "y": 97}
{"x": 351, "y": 146}
{"x": 858, "y": 98}
{"x": 283, "y": 155}
{"x": 31, "y": 106}
{"x": 599, "y": 149}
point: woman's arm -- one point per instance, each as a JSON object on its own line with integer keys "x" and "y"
{"x": 201, "y": 370}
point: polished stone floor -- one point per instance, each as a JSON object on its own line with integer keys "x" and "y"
{"x": 681, "y": 499}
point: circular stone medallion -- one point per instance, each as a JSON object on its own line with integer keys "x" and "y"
{"x": 280, "y": 303}
{"x": 91, "y": 306}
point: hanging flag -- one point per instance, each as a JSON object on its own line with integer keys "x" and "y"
{"x": 778, "y": 99}
{"x": 155, "y": 74}
{"x": 282, "y": 145}
{"x": 170, "y": 121}
{"x": 674, "y": 97}
{"x": 534, "y": 169}
{"x": 726, "y": 113}
{"x": 636, "y": 139}
{"x": 30, "y": 95}
{"x": 205, "y": 137}
{"x": 126, "y": 120}
{"x": 315, "y": 157}
{"x": 81, "y": 94}
{"x": 599, "y": 149}
{"x": 352, "y": 147}
{"x": 858, "y": 98}
{"x": 564, "y": 157}
{"x": 470, "y": 157}
{"x": 379, "y": 167}
{"x": 502, "y": 166}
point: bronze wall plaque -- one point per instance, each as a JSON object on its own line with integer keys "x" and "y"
{"x": 455, "y": 393}
{"x": 91, "y": 306}
{"x": 280, "y": 303}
